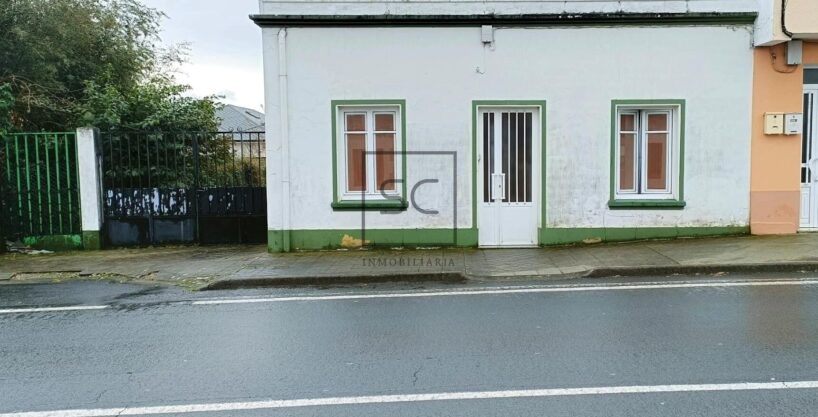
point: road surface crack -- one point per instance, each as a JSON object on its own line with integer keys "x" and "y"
{"x": 96, "y": 400}
{"x": 415, "y": 375}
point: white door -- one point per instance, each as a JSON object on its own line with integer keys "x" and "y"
{"x": 809, "y": 161}
{"x": 507, "y": 176}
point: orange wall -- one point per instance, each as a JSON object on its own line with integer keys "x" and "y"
{"x": 775, "y": 159}
{"x": 811, "y": 52}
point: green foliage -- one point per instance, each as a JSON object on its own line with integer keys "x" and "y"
{"x": 170, "y": 160}
{"x": 6, "y": 104}
{"x": 93, "y": 62}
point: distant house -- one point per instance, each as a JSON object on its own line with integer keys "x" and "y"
{"x": 248, "y": 127}
{"x": 239, "y": 119}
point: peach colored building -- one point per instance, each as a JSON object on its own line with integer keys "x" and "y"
{"x": 784, "y": 146}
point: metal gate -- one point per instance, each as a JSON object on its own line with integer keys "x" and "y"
{"x": 39, "y": 194}
{"x": 183, "y": 187}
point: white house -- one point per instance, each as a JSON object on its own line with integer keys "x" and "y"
{"x": 505, "y": 123}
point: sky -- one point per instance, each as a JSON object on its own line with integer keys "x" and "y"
{"x": 225, "y": 47}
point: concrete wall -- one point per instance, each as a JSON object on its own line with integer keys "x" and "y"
{"x": 439, "y": 71}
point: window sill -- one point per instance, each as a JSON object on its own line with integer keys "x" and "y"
{"x": 646, "y": 204}
{"x": 380, "y": 205}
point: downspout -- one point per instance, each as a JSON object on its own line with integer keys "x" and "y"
{"x": 285, "y": 139}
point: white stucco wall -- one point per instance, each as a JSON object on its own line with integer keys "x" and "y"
{"x": 768, "y": 29}
{"x": 464, "y": 7}
{"x": 439, "y": 71}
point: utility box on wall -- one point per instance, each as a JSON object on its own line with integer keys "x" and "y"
{"x": 773, "y": 123}
{"x": 793, "y": 123}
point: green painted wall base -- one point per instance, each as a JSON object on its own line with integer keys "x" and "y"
{"x": 54, "y": 242}
{"x": 561, "y": 236}
{"x": 332, "y": 239}
{"x": 91, "y": 240}
{"x": 275, "y": 241}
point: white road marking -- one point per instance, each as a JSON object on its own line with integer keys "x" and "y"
{"x": 48, "y": 309}
{"x": 514, "y": 290}
{"x": 409, "y": 398}
{"x": 480, "y": 291}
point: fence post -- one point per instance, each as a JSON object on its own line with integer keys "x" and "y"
{"x": 2, "y": 203}
{"x": 89, "y": 167}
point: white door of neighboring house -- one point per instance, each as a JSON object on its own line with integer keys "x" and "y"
{"x": 508, "y": 175}
{"x": 809, "y": 160}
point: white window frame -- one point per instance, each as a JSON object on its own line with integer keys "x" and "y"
{"x": 371, "y": 193}
{"x": 640, "y": 190}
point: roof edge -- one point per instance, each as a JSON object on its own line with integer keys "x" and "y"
{"x": 566, "y": 19}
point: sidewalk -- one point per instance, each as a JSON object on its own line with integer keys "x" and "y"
{"x": 203, "y": 267}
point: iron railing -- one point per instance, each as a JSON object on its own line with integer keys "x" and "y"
{"x": 39, "y": 193}
{"x": 157, "y": 180}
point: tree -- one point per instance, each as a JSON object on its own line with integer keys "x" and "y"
{"x": 6, "y": 103}
{"x": 93, "y": 62}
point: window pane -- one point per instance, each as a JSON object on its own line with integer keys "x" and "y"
{"x": 810, "y": 75}
{"x": 627, "y": 161}
{"x": 356, "y": 176}
{"x": 385, "y": 161}
{"x": 488, "y": 156}
{"x": 504, "y": 128}
{"x": 511, "y": 177}
{"x": 528, "y": 149}
{"x": 356, "y": 122}
{"x": 657, "y": 157}
{"x": 384, "y": 122}
{"x": 627, "y": 122}
{"x": 519, "y": 172}
{"x": 657, "y": 122}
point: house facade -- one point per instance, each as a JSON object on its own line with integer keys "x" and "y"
{"x": 515, "y": 124}
{"x": 784, "y": 182}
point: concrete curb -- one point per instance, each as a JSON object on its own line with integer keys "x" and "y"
{"x": 459, "y": 277}
{"x": 231, "y": 284}
{"x": 641, "y": 271}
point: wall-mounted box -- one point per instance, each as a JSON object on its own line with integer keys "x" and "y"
{"x": 487, "y": 34}
{"x": 793, "y": 123}
{"x": 773, "y": 123}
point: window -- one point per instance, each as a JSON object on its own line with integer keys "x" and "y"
{"x": 647, "y": 154}
{"x": 368, "y": 156}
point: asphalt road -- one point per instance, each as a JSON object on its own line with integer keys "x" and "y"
{"x": 699, "y": 349}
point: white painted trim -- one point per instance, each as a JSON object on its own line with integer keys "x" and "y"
{"x": 489, "y": 216}
{"x": 673, "y": 159}
{"x": 90, "y": 178}
{"x": 478, "y": 291}
{"x": 49, "y": 309}
{"x": 412, "y": 398}
{"x": 369, "y": 111}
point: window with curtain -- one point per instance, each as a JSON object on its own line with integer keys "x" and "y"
{"x": 646, "y": 154}
{"x": 369, "y": 143}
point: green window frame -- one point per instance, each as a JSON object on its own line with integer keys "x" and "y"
{"x": 674, "y": 200}
{"x": 344, "y": 200}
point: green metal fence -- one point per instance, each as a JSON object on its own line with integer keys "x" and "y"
{"x": 40, "y": 194}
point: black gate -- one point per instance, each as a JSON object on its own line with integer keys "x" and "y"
{"x": 184, "y": 187}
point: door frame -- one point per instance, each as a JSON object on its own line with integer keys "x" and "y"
{"x": 541, "y": 198}
{"x": 813, "y": 192}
